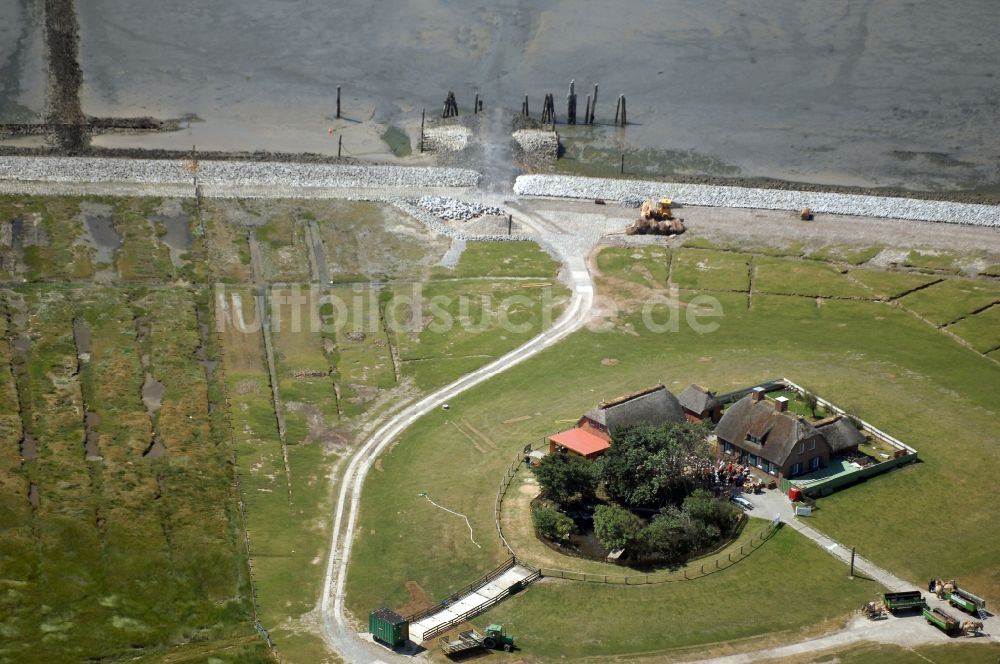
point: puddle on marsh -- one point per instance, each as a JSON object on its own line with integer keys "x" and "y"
{"x": 177, "y": 237}
{"x": 22, "y": 343}
{"x": 81, "y": 336}
{"x": 28, "y": 233}
{"x": 152, "y": 393}
{"x": 101, "y": 232}
{"x": 29, "y": 447}
{"x": 34, "y": 498}
{"x": 90, "y": 448}
{"x": 156, "y": 450}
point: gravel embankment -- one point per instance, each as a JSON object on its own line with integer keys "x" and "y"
{"x": 564, "y": 186}
{"x": 229, "y": 173}
{"x": 452, "y": 208}
{"x": 412, "y": 208}
{"x": 452, "y": 138}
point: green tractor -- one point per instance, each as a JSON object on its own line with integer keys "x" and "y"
{"x": 496, "y": 638}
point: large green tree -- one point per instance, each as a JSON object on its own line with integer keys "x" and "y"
{"x": 616, "y": 528}
{"x": 567, "y": 478}
{"x": 647, "y": 465}
{"x": 551, "y": 523}
{"x": 702, "y": 506}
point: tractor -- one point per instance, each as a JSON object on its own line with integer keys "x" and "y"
{"x": 496, "y": 638}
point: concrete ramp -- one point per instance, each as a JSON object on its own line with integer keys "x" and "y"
{"x": 471, "y": 601}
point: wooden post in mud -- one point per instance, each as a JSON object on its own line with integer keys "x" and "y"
{"x": 623, "y": 164}
{"x": 340, "y": 144}
{"x": 618, "y": 109}
{"x": 527, "y": 111}
{"x": 593, "y": 105}
{"x": 624, "y": 115}
{"x": 852, "y": 562}
{"x": 510, "y": 223}
{"x": 586, "y": 112}
{"x": 338, "y": 102}
{"x": 423, "y": 114}
{"x": 571, "y": 104}
{"x": 475, "y": 105}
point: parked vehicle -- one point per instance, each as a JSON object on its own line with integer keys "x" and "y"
{"x": 742, "y": 502}
{"x": 942, "y": 620}
{"x": 966, "y": 601}
{"x": 908, "y": 599}
{"x": 496, "y": 638}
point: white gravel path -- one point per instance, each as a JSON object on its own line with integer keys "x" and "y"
{"x": 565, "y": 186}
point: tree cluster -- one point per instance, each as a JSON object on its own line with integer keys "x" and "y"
{"x": 656, "y": 468}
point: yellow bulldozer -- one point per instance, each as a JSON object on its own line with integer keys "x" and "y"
{"x": 658, "y": 211}
{"x": 656, "y": 218}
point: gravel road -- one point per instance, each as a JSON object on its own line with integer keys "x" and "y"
{"x": 338, "y": 631}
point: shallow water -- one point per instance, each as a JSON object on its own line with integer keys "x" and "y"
{"x": 177, "y": 237}
{"x": 103, "y": 237}
{"x": 852, "y": 92}
{"x": 22, "y": 61}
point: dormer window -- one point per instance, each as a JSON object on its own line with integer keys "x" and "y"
{"x": 754, "y": 439}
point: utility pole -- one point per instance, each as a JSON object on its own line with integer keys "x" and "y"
{"x": 338, "y": 102}
{"x": 423, "y": 114}
{"x": 852, "y": 562}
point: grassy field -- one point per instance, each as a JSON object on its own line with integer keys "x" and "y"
{"x": 646, "y": 266}
{"x": 157, "y": 568}
{"x": 783, "y": 277}
{"x": 638, "y": 620}
{"x": 952, "y": 299}
{"x": 155, "y": 557}
{"x": 706, "y": 269}
{"x": 500, "y": 259}
{"x": 871, "y": 358}
{"x": 891, "y": 284}
{"x": 845, "y": 253}
{"x": 981, "y": 330}
{"x": 139, "y": 419}
{"x": 932, "y": 260}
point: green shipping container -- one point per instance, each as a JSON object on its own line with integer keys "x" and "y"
{"x": 388, "y": 627}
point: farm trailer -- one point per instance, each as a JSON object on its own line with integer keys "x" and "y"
{"x": 966, "y": 601}
{"x": 903, "y": 601}
{"x": 941, "y": 619}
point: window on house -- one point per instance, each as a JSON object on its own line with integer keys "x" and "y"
{"x": 796, "y": 468}
{"x": 773, "y": 469}
{"x": 812, "y": 445}
{"x": 814, "y": 463}
{"x": 753, "y": 459}
{"x": 802, "y": 448}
